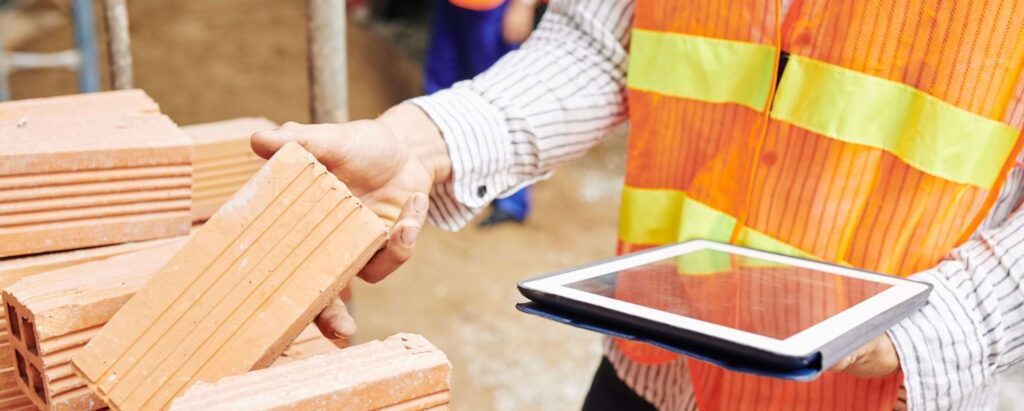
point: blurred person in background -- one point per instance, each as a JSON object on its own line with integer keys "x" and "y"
{"x": 466, "y": 38}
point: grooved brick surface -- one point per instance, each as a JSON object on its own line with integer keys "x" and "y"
{"x": 13, "y": 269}
{"x": 59, "y": 311}
{"x": 222, "y": 161}
{"x": 241, "y": 289}
{"x": 91, "y": 170}
{"x": 403, "y": 372}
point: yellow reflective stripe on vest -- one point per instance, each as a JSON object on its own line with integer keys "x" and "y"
{"x": 654, "y": 216}
{"x": 700, "y": 68}
{"x": 925, "y": 132}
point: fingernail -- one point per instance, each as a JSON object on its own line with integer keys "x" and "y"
{"x": 420, "y": 203}
{"x": 409, "y": 235}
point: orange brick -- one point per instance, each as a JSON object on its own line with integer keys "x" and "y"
{"x": 311, "y": 342}
{"x": 241, "y": 289}
{"x": 78, "y": 105}
{"x": 56, "y": 313}
{"x": 404, "y": 372}
{"x": 87, "y": 179}
{"x": 222, "y": 161}
{"x": 13, "y": 269}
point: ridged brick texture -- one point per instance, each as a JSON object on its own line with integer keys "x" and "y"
{"x": 54, "y": 314}
{"x": 403, "y": 372}
{"x": 241, "y": 289}
{"x": 222, "y": 161}
{"x": 101, "y": 173}
{"x": 13, "y": 269}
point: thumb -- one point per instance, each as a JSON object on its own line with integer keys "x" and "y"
{"x": 325, "y": 141}
{"x": 266, "y": 143}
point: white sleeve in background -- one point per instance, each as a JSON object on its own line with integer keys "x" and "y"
{"x": 972, "y": 328}
{"x": 536, "y": 108}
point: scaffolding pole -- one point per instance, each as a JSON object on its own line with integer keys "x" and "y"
{"x": 119, "y": 46}
{"x": 328, "y": 73}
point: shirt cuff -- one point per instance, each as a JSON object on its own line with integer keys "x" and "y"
{"x": 480, "y": 148}
{"x": 940, "y": 350}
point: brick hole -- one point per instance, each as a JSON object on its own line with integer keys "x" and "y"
{"x": 21, "y": 367}
{"x": 37, "y": 381}
{"x": 30, "y": 336}
{"x": 12, "y": 322}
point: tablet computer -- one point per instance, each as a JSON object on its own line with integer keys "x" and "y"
{"x": 743, "y": 309}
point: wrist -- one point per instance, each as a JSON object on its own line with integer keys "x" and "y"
{"x": 423, "y": 138}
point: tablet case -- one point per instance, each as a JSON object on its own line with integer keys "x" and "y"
{"x": 615, "y": 330}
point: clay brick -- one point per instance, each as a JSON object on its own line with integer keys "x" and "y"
{"x": 222, "y": 161}
{"x": 311, "y": 342}
{"x": 87, "y": 179}
{"x": 403, "y": 372}
{"x": 13, "y": 269}
{"x": 59, "y": 311}
{"x": 91, "y": 104}
{"x": 241, "y": 289}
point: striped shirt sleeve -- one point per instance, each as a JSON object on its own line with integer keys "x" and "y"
{"x": 972, "y": 328}
{"x": 536, "y": 108}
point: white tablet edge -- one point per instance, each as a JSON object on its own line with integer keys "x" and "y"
{"x": 803, "y": 343}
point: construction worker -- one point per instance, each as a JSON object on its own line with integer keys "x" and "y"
{"x": 869, "y": 133}
{"x": 466, "y": 38}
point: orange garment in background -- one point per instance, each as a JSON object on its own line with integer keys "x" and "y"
{"x": 828, "y": 198}
{"x": 478, "y": 5}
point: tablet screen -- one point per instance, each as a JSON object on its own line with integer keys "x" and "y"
{"x": 745, "y": 293}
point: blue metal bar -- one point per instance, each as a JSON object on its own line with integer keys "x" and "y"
{"x": 85, "y": 40}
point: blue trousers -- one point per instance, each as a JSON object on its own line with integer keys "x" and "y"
{"x": 464, "y": 43}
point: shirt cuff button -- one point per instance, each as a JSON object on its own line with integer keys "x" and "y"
{"x": 481, "y": 191}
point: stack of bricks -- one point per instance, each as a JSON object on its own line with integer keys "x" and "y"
{"x": 14, "y": 269}
{"x": 56, "y": 313}
{"x": 116, "y": 307}
{"x": 82, "y": 171}
{"x": 90, "y": 170}
{"x": 222, "y": 161}
{"x": 404, "y": 372}
{"x": 242, "y": 288}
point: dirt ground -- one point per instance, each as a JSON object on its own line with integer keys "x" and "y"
{"x": 212, "y": 60}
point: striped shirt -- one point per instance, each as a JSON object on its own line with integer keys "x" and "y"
{"x": 564, "y": 90}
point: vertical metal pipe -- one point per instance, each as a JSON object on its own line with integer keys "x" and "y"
{"x": 85, "y": 41}
{"x": 119, "y": 46}
{"x": 5, "y": 90}
{"x": 328, "y": 73}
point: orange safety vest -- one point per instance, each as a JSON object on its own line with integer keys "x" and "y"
{"x": 882, "y": 145}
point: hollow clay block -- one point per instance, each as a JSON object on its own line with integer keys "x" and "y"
{"x": 222, "y": 161}
{"x": 403, "y": 371}
{"x": 241, "y": 289}
{"x": 59, "y": 311}
{"x": 80, "y": 105}
{"x": 83, "y": 181}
